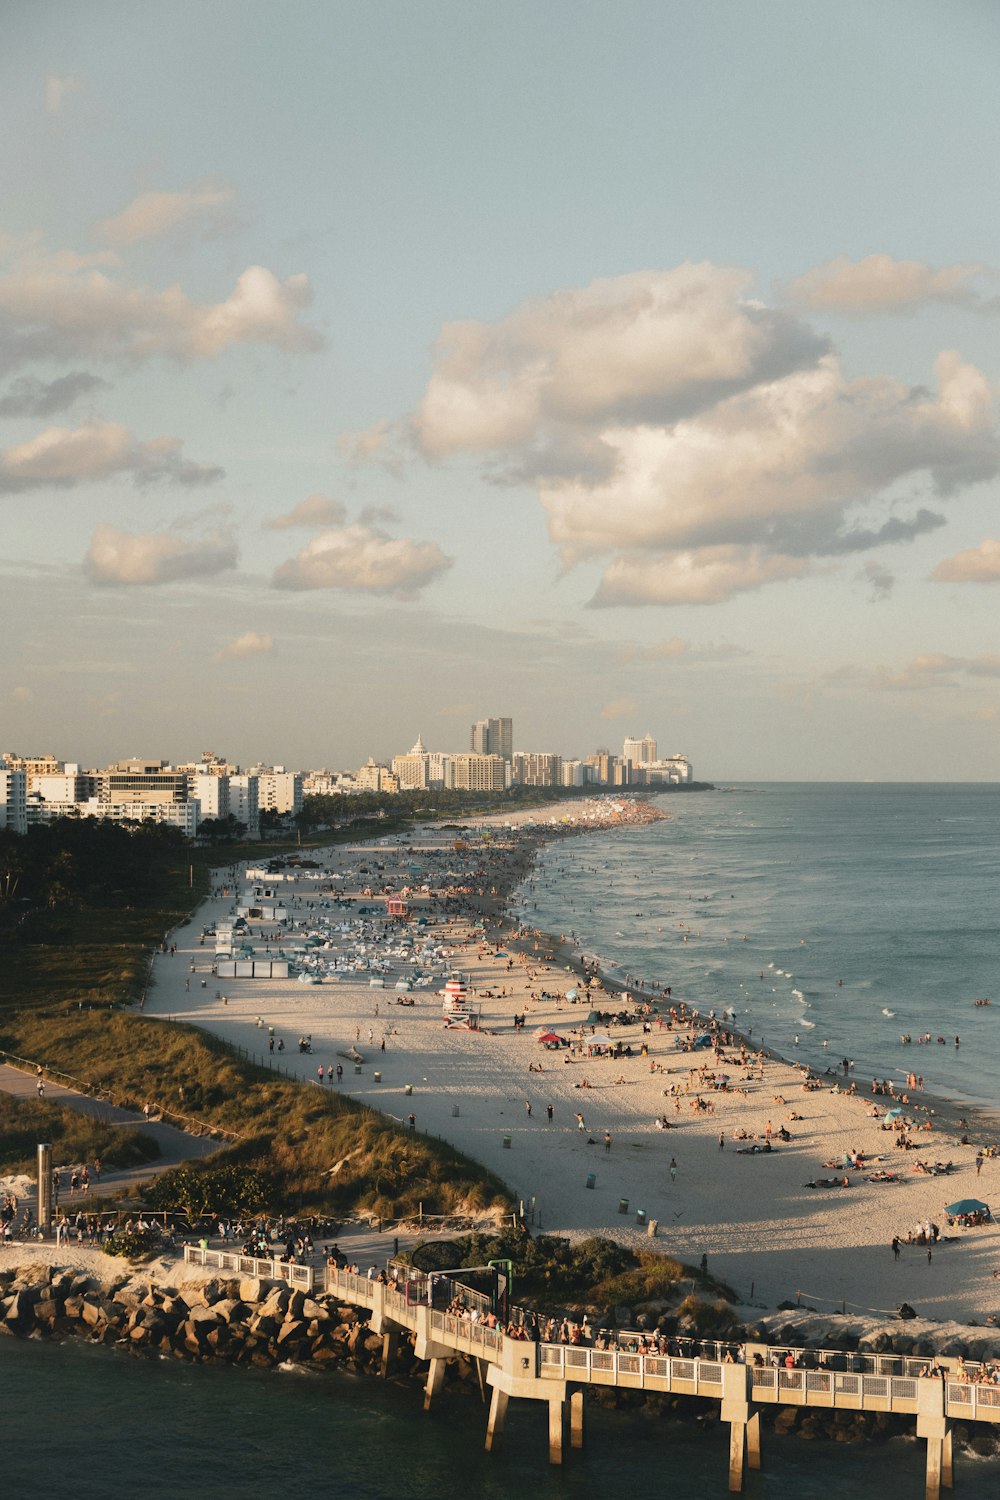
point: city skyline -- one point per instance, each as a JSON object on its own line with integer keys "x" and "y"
{"x": 368, "y": 369}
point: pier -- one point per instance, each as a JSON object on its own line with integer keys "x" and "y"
{"x": 558, "y": 1374}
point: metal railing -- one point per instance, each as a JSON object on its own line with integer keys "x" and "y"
{"x": 779, "y": 1382}
{"x": 972, "y": 1401}
{"x": 302, "y": 1277}
{"x": 615, "y": 1366}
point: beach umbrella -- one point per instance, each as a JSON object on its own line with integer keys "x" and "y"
{"x": 500, "y": 953}
{"x": 571, "y": 994}
{"x": 540, "y": 1031}
{"x": 600, "y": 1039}
{"x": 702, "y": 1041}
{"x": 546, "y": 1036}
{"x": 895, "y": 1114}
{"x": 967, "y": 1206}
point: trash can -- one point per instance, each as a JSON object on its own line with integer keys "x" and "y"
{"x": 591, "y": 1179}
{"x": 357, "y": 1067}
{"x": 652, "y": 1227}
{"x": 640, "y": 1216}
{"x": 454, "y": 1111}
{"x": 623, "y": 1205}
{"x": 377, "y": 1077}
{"x": 506, "y": 1142}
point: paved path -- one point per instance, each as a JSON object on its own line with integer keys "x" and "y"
{"x": 176, "y": 1146}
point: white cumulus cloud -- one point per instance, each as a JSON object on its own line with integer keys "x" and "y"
{"x": 880, "y": 283}
{"x": 252, "y": 643}
{"x": 153, "y": 215}
{"x": 154, "y": 557}
{"x": 315, "y": 510}
{"x": 702, "y": 442}
{"x": 67, "y": 456}
{"x": 54, "y": 308}
{"x": 975, "y": 565}
{"x": 361, "y": 558}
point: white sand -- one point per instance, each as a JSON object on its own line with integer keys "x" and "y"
{"x": 763, "y": 1231}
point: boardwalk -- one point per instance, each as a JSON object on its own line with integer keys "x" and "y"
{"x": 558, "y": 1373}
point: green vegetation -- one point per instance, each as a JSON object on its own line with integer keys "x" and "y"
{"x": 214, "y": 1190}
{"x": 132, "y": 1243}
{"x": 312, "y": 1148}
{"x": 74, "y": 1137}
{"x": 593, "y": 1274}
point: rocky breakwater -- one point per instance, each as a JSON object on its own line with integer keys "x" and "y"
{"x": 241, "y": 1322}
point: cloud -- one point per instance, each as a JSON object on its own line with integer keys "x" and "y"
{"x": 704, "y": 575}
{"x": 931, "y": 669}
{"x": 59, "y": 87}
{"x": 650, "y": 346}
{"x": 976, "y": 565}
{"x": 879, "y": 580}
{"x": 30, "y": 397}
{"x": 64, "y": 456}
{"x": 154, "y": 557}
{"x": 705, "y": 444}
{"x": 154, "y": 215}
{"x": 251, "y": 644}
{"x": 879, "y": 283}
{"x": 315, "y": 510}
{"x": 619, "y": 708}
{"x": 360, "y": 558}
{"x": 54, "y": 308}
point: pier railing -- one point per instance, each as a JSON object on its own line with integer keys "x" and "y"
{"x": 302, "y": 1277}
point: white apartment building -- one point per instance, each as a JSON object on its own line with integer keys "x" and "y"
{"x": 640, "y": 752}
{"x": 479, "y": 773}
{"x": 244, "y": 804}
{"x": 536, "y": 768}
{"x": 279, "y": 791}
{"x": 572, "y": 773}
{"x": 14, "y": 800}
{"x": 211, "y": 791}
{"x": 413, "y": 770}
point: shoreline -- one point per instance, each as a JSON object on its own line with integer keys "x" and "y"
{"x": 472, "y": 1089}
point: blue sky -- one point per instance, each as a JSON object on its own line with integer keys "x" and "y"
{"x": 368, "y": 369}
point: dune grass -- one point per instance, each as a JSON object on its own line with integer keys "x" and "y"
{"x": 74, "y": 1137}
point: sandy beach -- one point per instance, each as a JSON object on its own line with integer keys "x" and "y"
{"x": 763, "y": 1229}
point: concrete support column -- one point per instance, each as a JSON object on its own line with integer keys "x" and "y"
{"x": 555, "y": 1430}
{"x": 498, "y": 1415}
{"x": 947, "y": 1475}
{"x": 737, "y": 1455}
{"x": 390, "y": 1348}
{"x": 435, "y": 1380}
{"x": 753, "y": 1441}
{"x": 935, "y": 1454}
{"x": 576, "y": 1419}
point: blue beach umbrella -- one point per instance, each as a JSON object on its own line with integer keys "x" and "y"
{"x": 894, "y": 1114}
{"x": 967, "y": 1206}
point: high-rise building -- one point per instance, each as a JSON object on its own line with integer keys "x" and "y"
{"x": 493, "y": 737}
{"x": 134, "y": 781}
{"x": 479, "y": 773}
{"x": 14, "y": 800}
{"x": 640, "y": 752}
{"x": 413, "y": 770}
{"x": 536, "y": 768}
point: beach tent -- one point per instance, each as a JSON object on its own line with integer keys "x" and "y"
{"x": 571, "y": 994}
{"x": 545, "y": 1038}
{"x": 599, "y": 1039}
{"x": 967, "y": 1206}
{"x": 593, "y": 1018}
{"x": 702, "y": 1041}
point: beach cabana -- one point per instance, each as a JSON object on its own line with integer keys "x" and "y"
{"x": 967, "y": 1206}
{"x": 547, "y": 1038}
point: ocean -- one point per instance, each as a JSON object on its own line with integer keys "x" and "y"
{"x": 834, "y": 919}
{"x": 890, "y": 889}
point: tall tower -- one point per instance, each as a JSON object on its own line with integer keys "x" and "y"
{"x": 493, "y": 737}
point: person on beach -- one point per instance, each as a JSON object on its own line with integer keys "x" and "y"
{"x": 607, "y": 1140}
{"x": 673, "y": 1169}
{"x": 527, "y": 1108}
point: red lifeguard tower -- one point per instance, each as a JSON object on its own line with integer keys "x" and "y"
{"x": 396, "y": 906}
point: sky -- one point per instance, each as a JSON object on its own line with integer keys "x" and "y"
{"x": 371, "y": 368}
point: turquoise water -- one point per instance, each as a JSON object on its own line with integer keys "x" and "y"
{"x": 893, "y": 890}
{"x": 94, "y": 1422}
